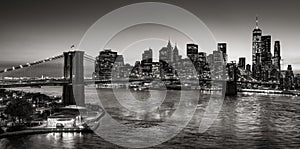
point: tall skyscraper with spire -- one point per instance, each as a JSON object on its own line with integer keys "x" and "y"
{"x": 256, "y": 50}
{"x": 170, "y": 49}
{"x": 175, "y": 54}
{"x": 165, "y": 54}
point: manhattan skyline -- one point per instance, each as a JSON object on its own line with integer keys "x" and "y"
{"x": 51, "y": 32}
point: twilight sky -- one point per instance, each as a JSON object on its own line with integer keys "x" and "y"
{"x": 35, "y": 29}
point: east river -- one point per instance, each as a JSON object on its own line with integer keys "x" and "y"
{"x": 244, "y": 121}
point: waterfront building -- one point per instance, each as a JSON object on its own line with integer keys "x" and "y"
{"x": 289, "y": 78}
{"x": 66, "y": 117}
{"x": 297, "y": 81}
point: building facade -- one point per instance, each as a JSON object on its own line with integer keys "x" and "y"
{"x": 256, "y": 51}
{"x": 242, "y": 63}
{"x": 146, "y": 62}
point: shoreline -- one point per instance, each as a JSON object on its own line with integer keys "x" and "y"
{"x": 266, "y": 91}
{"x": 259, "y": 91}
{"x": 44, "y": 130}
{"x": 271, "y": 92}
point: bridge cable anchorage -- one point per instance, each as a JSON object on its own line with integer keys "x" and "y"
{"x": 27, "y": 65}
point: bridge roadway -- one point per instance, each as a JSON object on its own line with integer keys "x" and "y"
{"x": 61, "y": 82}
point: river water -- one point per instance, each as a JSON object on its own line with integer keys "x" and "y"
{"x": 245, "y": 121}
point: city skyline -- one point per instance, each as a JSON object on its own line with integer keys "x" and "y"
{"x": 149, "y": 74}
{"x": 34, "y": 33}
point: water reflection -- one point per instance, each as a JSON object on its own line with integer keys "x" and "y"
{"x": 245, "y": 121}
{"x": 160, "y": 105}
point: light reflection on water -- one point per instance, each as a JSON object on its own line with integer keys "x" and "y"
{"x": 245, "y": 121}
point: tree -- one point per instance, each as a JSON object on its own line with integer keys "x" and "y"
{"x": 19, "y": 108}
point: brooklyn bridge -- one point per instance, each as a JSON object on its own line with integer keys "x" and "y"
{"x": 73, "y": 81}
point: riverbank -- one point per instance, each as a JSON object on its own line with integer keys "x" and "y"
{"x": 43, "y": 130}
{"x": 208, "y": 90}
{"x": 270, "y": 92}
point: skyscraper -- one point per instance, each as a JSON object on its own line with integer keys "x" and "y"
{"x": 192, "y": 52}
{"x": 176, "y": 57}
{"x": 217, "y": 64}
{"x": 104, "y": 64}
{"x": 223, "y": 47}
{"x": 175, "y": 53}
{"x": 288, "y": 82}
{"x": 170, "y": 50}
{"x": 266, "y": 57}
{"x": 248, "y": 68}
{"x": 201, "y": 62}
{"x": 146, "y": 63}
{"x": 277, "y": 56}
{"x": 256, "y": 51}
{"x": 166, "y": 61}
{"x": 242, "y": 63}
{"x": 165, "y": 54}
{"x": 147, "y": 54}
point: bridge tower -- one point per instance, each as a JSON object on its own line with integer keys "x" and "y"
{"x": 231, "y": 84}
{"x": 74, "y": 72}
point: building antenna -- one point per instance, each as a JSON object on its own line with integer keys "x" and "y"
{"x": 256, "y": 22}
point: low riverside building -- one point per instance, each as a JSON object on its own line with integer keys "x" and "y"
{"x": 66, "y": 117}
